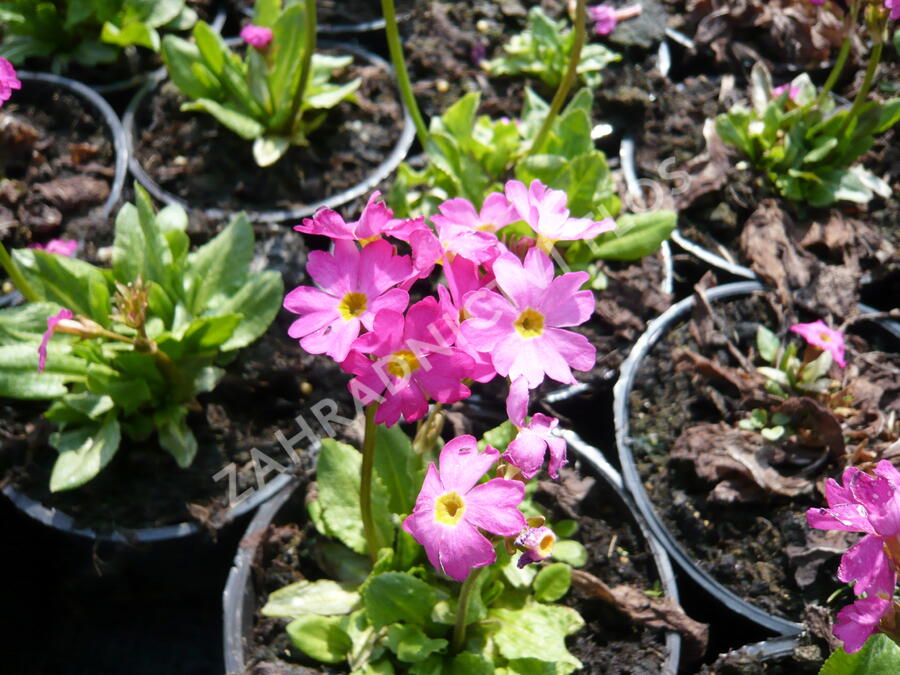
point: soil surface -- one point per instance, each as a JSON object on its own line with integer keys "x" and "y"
{"x": 340, "y": 15}
{"x": 609, "y": 643}
{"x": 745, "y": 543}
{"x": 193, "y": 157}
{"x": 58, "y": 158}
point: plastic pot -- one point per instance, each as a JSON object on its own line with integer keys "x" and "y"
{"x": 238, "y": 599}
{"x": 633, "y": 481}
{"x": 110, "y": 119}
{"x": 382, "y": 171}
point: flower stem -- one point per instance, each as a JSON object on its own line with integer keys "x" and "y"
{"x": 365, "y": 484}
{"x": 392, "y": 32}
{"x": 16, "y": 277}
{"x": 462, "y": 610}
{"x": 568, "y": 79}
{"x": 849, "y": 29}
{"x": 863, "y": 92}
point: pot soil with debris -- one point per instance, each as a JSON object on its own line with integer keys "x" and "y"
{"x": 193, "y": 157}
{"x": 617, "y": 594}
{"x": 279, "y": 379}
{"x": 57, "y": 165}
{"x": 734, "y": 500}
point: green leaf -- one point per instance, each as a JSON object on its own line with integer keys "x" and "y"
{"x": 268, "y": 149}
{"x": 499, "y": 437}
{"x": 565, "y": 528}
{"x": 396, "y": 596}
{"x": 772, "y": 433}
{"x": 243, "y": 125}
{"x": 135, "y": 33}
{"x": 212, "y": 47}
{"x": 816, "y": 368}
{"x": 92, "y": 406}
{"x": 570, "y": 551}
{"x": 398, "y": 468}
{"x": 83, "y": 453}
{"x": 767, "y": 343}
{"x": 777, "y": 376}
{"x": 879, "y": 656}
{"x": 179, "y": 56}
{"x": 258, "y": 301}
{"x": 635, "y": 236}
{"x": 537, "y": 631}
{"x": 156, "y": 253}
{"x": 286, "y": 56}
{"x": 320, "y": 637}
{"x": 760, "y": 87}
{"x": 340, "y": 563}
{"x": 890, "y": 111}
{"x": 410, "y": 643}
{"x": 552, "y": 582}
{"x": 209, "y": 333}
{"x": 175, "y": 436}
{"x": 128, "y": 393}
{"x": 221, "y": 266}
{"x": 324, "y": 597}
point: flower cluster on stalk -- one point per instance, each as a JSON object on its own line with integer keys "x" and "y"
{"x": 499, "y": 309}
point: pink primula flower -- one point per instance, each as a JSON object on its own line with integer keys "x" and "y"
{"x": 354, "y": 286}
{"x": 818, "y": 334}
{"x": 894, "y": 6}
{"x": 495, "y": 213}
{"x": 52, "y": 322}
{"x": 452, "y": 508}
{"x": 8, "y": 80}
{"x": 257, "y": 37}
{"x": 517, "y": 401}
{"x": 536, "y": 544}
{"x": 793, "y": 91}
{"x": 63, "y": 247}
{"x": 415, "y": 363}
{"x": 375, "y": 220}
{"x": 527, "y": 451}
{"x": 604, "y": 18}
{"x": 522, "y": 330}
{"x": 858, "y": 621}
{"x": 546, "y": 213}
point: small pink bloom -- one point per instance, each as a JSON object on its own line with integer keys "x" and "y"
{"x": 546, "y": 213}
{"x": 52, "y": 322}
{"x": 517, "y": 401}
{"x": 604, "y": 18}
{"x": 8, "y": 80}
{"x": 354, "y": 286}
{"x": 63, "y": 247}
{"x": 257, "y": 37}
{"x": 522, "y": 330}
{"x": 894, "y": 6}
{"x": 415, "y": 362}
{"x": 818, "y": 334}
{"x": 817, "y": 2}
{"x": 375, "y": 220}
{"x": 857, "y": 622}
{"x": 536, "y": 544}
{"x": 452, "y": 508}
{"x": 528, "y": 449}
{"x": 793, "y": 91}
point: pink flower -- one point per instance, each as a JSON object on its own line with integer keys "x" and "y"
{"x": 818, "y": 334}
{"x": 545, "y": 212}
{"x": 894, "y": 6}
{"x": 257, "y": 37}
{"x": 793, "y": 91}
{"x": 536, "y": 544}
{"x": 63, "y": 247}
{"x": 451, "y": 509}
{"x": 354, "y": 286}
{"x": 527, "y": 451}
{"x": 817, "y": 2}
{"x": 858, "y": 621}
{"x": 52, "y": 322}
{"x": 8, "y": 80}
{"x": 375, "y": 220}
{"x": 523, "y": 330}
{"x": 415, "y": 363}
{"x": 517, "y": 401}
{"x": 604, "y": 18}
{"x": 495, "y": 213}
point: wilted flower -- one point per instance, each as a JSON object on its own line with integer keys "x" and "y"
{"x": 63, "y": 247}
{"x": 257, "y": 37}
{"x": 818, "y": 334}
{"x": 8, "y": 80}
{"x": 451, "y": 509}
{"x": 536, "y": 543}
{"x": 52, "y": 322}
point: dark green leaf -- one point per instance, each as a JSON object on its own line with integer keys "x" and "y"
{"x": 396, "y": 596}
{"x": 320, "y": 637}
{"x": 83, "y": 453}
{"x": 879, "y": 656}
{"x": 552, "y": 582}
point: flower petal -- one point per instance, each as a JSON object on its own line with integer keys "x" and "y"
{"x": 492, "y": 506}
{"x": 461, "y": 465}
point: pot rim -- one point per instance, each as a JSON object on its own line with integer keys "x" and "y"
{"x": 120, "y": 145}
{"x": 238, "y": 604}
{"x": 633, "y": 482}
{"x": 379, "y": 173}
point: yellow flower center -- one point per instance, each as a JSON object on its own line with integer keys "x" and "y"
{"x": 530, "y": 324}
{"x": 824, "y": 337}
{"x": 546, "y": 545}
{"x": 449, "y": 508}
{"x": 486, "y": 227}
{"x": 352, "y": 305}
{"x": 402, "y": 364}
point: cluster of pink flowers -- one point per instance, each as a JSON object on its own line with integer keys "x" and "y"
{"x": 871, "y": 505}
{"x": 818, "y": 334}
{"x": 500, "y": 310}
{"x": 8, "y": 80}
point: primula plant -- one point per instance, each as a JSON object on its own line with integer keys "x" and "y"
{"x": 88, "y": 32}
{"x": 461, "y": 570}
{"x": 275, "y": 96}
{"x": 806, "y": 145}
{"x": 124, "y": 352}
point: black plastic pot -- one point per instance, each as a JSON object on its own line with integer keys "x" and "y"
{"x": 110, "y": 119}
{"x": 238, "y": 599}
{"x": 382, "y": 171}
{"x": 621, "y": 408}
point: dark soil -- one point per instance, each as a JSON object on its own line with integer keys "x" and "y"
{"x": 608, "y": 643}
{"x": 340, "y": 15}
{"x": 741, "y": 544}
{"x": 58, "y": 159}
{"x": 193, "y": 157}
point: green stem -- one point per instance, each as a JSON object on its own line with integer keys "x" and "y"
{"x": 462, "y": 610}
{"x": 849, "y": 29}
{"x": 365, "y": 485}
{"x": 860, "y": 99}
{"x": 309, "y": 47}
{"x": 568, "y": 79}
{"x": 16, "y": 276}
{"x": 392, "y": 32}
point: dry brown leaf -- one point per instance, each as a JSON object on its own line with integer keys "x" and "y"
{"x": 73, "y": 192}
{"x": 743, "y": 383}
{"x": 817, "y": 426}
{"x": 820, "y": 547}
